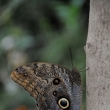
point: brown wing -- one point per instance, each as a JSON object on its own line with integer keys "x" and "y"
{"x": 49, "y": 84}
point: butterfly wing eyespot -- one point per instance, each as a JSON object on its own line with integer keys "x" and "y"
{"x": 54, "y": 93}
{"x": 63, "y": 103}
{"x": 56, "y": 81}
{"x": 21, "y": 71}
{"x": 25, "y": 74}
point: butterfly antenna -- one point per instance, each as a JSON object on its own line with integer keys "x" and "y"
{"x": 82, "y": 67}
{"x": 71, "y": 56}
{"x": 84, "y": 90}
{"x": 84, "y": 70}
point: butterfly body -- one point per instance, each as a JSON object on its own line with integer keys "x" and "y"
{"x": 53, "y": 87}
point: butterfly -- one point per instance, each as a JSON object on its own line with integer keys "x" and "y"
{"x": 52, "y": 86}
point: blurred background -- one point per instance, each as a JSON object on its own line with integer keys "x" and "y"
{"x": 39, "y": 31}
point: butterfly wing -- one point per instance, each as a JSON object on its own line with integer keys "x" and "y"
{"x": 52, "y": 86}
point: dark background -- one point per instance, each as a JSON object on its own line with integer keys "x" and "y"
{"x": 39, "y": 31}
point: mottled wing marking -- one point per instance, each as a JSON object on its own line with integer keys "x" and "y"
{"x": 37, "y": 78}
{"x": 76, "y": 76}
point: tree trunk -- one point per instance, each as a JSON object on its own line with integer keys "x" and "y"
{"x": 98, "y": 56}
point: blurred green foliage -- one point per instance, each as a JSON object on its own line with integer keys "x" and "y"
{"x": 39, "y": 31}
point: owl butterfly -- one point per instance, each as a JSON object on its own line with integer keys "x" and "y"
{"x": 52, "y": 86}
